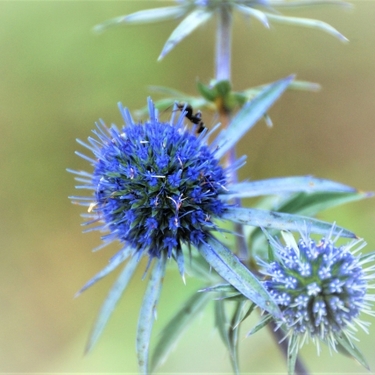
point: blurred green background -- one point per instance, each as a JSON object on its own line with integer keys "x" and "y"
{"x": 57, "y": 78}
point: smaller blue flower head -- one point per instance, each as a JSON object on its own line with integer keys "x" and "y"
{"x": 321, "y": 288}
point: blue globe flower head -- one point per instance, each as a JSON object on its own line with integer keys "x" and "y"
{"x": 320, "y": 287}
{"x": 156, "y": 186}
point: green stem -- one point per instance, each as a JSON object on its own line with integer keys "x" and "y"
{"x": 223, "y": 72}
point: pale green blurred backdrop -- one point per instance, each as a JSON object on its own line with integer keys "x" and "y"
{"x": 57, "y": 78}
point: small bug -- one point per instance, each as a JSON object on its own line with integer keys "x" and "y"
{"x": 196, "y": 118}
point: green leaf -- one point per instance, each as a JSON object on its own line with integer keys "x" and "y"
{"x": 223, "y": 88}
{"x": 233, "y": 334}
{"x": 305, "y": 204}
{"x": 225, "y": 329}
{"x": 228, "y": 266}
{"x": 221, "y": 288}
{"x": 292, "y": 354}
{"x": 304, "y": 86}
{"x": 234, "y": 297}
{"x": 283, "y": 185}
{"x": 222, "y": 323}
{"x": 348, "y": 348}
{"x": 148, "y": 313}
{"x": 176, "y": 327}
{"x": 229, "y": 328}
{"x": 263, "y": 322}
{"x": 282, "y": 221}
{"x": 198, "y": 267}
{"x": 294, "y": 85}
{"x": 111, "y": 301}
{"x": 249, "y": 115}
{"x": 208, "y": 92}
{"x": 311, "y": 204}
{"x": 248, "y": 312}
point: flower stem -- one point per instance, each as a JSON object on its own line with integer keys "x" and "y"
{"x": 223, "y": 72}
{"x": 223, "y": 45}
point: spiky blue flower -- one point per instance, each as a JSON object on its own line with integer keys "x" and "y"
{"x": 156, "y": 186}
{"x": 321, "y": 288}
{"x": 159, "y": 187}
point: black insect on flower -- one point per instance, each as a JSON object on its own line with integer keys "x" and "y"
{"x": 195, "y": 118}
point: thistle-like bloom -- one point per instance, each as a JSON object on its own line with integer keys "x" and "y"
{"x": 321, "y": 288}
{"x": 158, "y": 187}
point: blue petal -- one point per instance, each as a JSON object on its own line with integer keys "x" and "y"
{"x": 229, "y": 267}
{"x": 148, "y": 313}
{"x": 111, "y": 300}
{"x": 282, "y": 185}
{"x": 249, "y": 114}
{"x": 186, "y": 27}
{"x": 282, "y": 221}
{"x": 83, "y": 156}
